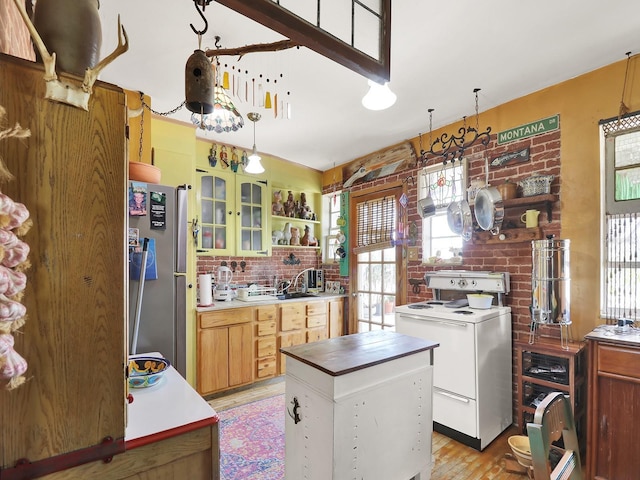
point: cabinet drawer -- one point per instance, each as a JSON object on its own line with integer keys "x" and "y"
{"x": 316, "y": 334}
{"x": 291, "y": 317}
{"x": 267, "y": 312}
{"x": 292, "y": 309}
{"x": 619, "y": 361}
{"x": 266, "y": 347}
{"x": 316, "y": 321}
{"x": 227, "y": 317}
{"x": 266, "y": 367}
{"x": 317, "y": 308}
{"x": 266, "y": 328}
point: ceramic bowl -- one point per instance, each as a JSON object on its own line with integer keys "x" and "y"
{"x": 479, "y": 300}
{"x": 146, "y": 371}
{"x": 521, "y": 449}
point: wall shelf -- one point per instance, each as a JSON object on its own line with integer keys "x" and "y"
{"x": 546, "y": 200}
{"x": 508, "y": 235}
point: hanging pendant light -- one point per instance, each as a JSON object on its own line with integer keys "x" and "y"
{"x": 254, "y": 165}
{"x": 379, "y": 97}
{"x": 224, "y": 116}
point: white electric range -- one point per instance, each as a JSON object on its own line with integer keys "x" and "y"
{"x": 472, "y": 394}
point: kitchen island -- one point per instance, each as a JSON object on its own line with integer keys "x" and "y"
{"x": 359, "y": 406}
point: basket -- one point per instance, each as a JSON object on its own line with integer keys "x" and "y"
{"x": 536, "y": 184}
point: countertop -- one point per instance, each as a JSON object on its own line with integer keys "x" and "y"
{"x": 170, "y": 408}
{"x": 235, "y": 303}
{"x": 346, "y": 354}
{"x": 614, "y": 334}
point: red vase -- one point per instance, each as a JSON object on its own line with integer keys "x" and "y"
{"x": 71, "y": 29}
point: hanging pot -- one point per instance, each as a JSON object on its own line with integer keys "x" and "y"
{"x": 426, "y": 206}
{"x": 489, "y": 207}
{"x": 459, "y": 217}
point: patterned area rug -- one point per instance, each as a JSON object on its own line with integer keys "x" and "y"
{"x": 252, "y": 441}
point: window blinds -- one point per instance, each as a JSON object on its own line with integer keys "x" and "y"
{"x": 622, "y": 267}
{"x": 375, "y": 220}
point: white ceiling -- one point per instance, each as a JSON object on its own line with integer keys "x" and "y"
{"x": 440, "y": 52}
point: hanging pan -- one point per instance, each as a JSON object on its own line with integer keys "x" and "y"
{"x": 459, "y": 215}
{"x": 489, "y": 207}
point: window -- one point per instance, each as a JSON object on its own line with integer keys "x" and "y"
{"x": 376, "y": 290}
{"x": 444, "y": 185}
{"x": 621, "y": 223}
{"x": 330, "y": 226}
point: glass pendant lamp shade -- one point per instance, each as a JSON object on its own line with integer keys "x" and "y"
{"x": 254, "y": 165}
{"x": 379, "y": 97}
{"x": 224, "y": 117}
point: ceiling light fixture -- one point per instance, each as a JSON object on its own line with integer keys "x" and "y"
{"x": 379, "y": 97}
{"x": 224, "y": 116}
{"x": 254, "y": 165}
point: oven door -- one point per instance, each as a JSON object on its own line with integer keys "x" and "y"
{"x": 455, "y": 359}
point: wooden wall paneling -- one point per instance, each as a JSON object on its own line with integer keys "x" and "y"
{"x": 71, "y": 174}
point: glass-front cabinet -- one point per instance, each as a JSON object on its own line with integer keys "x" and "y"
{"x": 232, "y": 214}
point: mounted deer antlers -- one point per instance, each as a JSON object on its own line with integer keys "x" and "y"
{"x": 59, "y": 90}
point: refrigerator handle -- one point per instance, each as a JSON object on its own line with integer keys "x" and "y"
{"x": 181, "y": 229}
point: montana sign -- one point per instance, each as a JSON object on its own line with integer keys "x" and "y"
{"x": 545, "y": 125}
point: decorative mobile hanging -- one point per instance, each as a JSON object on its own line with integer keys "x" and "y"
{"x": 452, "y": 147}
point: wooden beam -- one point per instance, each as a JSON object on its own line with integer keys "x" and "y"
{"x": 272, "y": 16}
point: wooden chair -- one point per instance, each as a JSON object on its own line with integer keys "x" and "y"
{"x": 554, "y": 420}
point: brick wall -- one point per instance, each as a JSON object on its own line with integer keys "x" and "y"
{"x": 262, "y": 270}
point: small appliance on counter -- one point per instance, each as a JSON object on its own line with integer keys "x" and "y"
{"x": 314, "y": 280}
{"x": 223, "y": 291}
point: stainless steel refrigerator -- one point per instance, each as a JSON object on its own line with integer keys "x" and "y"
{"x": 159, "y": 302}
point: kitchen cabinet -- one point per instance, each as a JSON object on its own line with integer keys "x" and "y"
{"x": 232, "y": 214}
{"x": 359, "y": 406}
{"x": 292, "y": 329}
{"x": 316, "y": 321}
{"x": 614, "y": 407}
{"x": 225, "y": 349}
{"x": 265, "y": 335}
{"x": 71, "y": 174}
{"x": 544, "y": 367}
{"x": 336, "y": 318}
{"x": 240, "y": 345}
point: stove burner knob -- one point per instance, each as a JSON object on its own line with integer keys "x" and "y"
{"x": 462, "y": 283}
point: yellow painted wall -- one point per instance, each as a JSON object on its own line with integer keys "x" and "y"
{"x": 174, "y": 152}
{"x": 137, "y": 124}
{"x": 581, "y": 102}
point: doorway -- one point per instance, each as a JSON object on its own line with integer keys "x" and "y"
{"x": 377, "y": 271}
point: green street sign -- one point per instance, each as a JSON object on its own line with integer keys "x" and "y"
{"x": 545, "y": 125}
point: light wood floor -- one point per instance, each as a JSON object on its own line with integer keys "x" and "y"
{"x": 453, "y": 460}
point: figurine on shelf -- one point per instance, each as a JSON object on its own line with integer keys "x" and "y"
{"x": 290, "y": 206}
{"x": 295, "y": 237}
{"x": 213, "y": 159}
{"x": 223, "y": 156}
{"x": 277, "y": 208}
{"x": 308, "y": 240}
{"x": 304, "y": 210}
{"x": 234, "y": 159}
